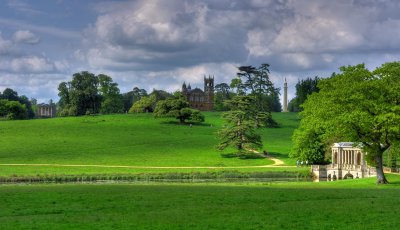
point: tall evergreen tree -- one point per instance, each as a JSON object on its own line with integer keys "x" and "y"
{"x": 239, "y": 126}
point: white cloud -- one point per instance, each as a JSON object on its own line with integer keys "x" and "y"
{"x": 25, "y": 36}
{"x": 31, "y": 64}
{"x": 5, "y": 45}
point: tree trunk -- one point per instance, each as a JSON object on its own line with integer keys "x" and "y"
{"x": 380, "y": 176}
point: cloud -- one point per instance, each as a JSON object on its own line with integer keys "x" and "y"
{"x": 5, "y": 45}
{"x": 160, "y": 35}
{"x": 23, "y": 7}
{"x": 48, "y": 30}
{"x": 27, "y": 64}
{"x": 25, "y": 36}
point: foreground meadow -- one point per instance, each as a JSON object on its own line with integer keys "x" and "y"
{"x": 351, "y": 204}
{"x": 126, "y": 140}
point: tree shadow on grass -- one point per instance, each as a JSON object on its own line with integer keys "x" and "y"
{"x": 243, "y": 156}
{"x": 186, "y": 123}
{"x": 277, "y": 155}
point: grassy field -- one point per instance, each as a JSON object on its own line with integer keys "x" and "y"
{"x": 128, "y": 140}
{"x": 351, "y": 204}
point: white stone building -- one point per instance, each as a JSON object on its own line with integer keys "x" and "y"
{"x": 46, "y": 110}
{"x": 348, "y": 161}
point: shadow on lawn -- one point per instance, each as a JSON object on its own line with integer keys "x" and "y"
{"x": 243, "y": 156}
{"x": 186, "y": 123}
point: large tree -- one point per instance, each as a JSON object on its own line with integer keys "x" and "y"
{"x": 222, "y": 93}
{"x": 360, "y": 106}
{"x": 255, "y": 82}
{"x": 239, "y": 129}
{"x": 11, "y": 95}
{"x": 111, "y": 101}
{"x": 178, "y": 108}
{"x": 12, "y": 110}
{"x": 89, "y": 94}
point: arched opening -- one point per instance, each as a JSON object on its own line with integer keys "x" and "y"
{"x": 348, "y": 176}
{"x": 359, "y": 158}
{"x": 329, "y": 177}
{"x": 334, "y": 177}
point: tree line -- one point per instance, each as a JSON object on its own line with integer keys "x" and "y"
{"x": 13, "y": 107}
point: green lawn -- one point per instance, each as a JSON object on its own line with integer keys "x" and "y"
{"x": 351, "y": 204}
{"x": 136, "y": 140}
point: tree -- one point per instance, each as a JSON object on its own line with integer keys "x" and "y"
{"x": 255, "y": 82}
{"x": 89, "y": 94}
{"x": 12, "y": 110}
{"x": 304, "y": 88}
{"x": 132, "y": 97}
{"x": 144, "y": 105}
{"x": 239, "y": 126}
{"x": 307, "y": 145}
{"x": 111, "y": 101}
{"x": 178, "y": 108}
{"x": 11, "y": 95}
{"x": 360, "y": 106}
{"x": 222, "y": 93}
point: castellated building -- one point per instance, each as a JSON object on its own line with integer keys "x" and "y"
{"x": 199, "y": 99}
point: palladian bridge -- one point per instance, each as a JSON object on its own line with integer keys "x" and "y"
{"x": 348, "y": 162}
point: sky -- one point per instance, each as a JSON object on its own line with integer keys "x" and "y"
{"x": 162, "y": 43}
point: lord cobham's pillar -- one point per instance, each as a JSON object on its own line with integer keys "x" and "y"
{"x": 285, "y": 100}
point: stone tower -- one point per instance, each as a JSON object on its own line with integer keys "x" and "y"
{"x": 209, "y": 92}
{"x": 184, "y": 88}
{"x": 285, "y": 100}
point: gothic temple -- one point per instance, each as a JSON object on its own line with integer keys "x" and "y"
{"x": 199, "y": 99}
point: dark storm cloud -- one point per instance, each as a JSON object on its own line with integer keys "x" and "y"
{"x": 160, "y": 44}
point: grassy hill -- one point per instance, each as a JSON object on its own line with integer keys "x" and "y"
{"x": 127, "y": 140}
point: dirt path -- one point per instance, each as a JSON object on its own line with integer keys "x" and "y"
{"x": 276, "y": 161}
{"x": 278, "y": 164}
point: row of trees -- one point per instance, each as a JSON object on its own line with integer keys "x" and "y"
{"x": 355, "y": 105}
{"x": 13, "y": 106}
{"x": 89, "y": 94}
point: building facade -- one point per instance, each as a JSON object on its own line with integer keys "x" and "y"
{"x": 199, "y": 99}
{"x": 46, "y": 110}
{"x": 348, "y": 161}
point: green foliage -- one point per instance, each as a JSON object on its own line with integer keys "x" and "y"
{"x": 178, "y": 108}
{"x": 89, "y": 94}
{"x": 239, "y": 127}
{"x": 255, "y": 82}
{"x": 12, "y": 110}
{"x": 304, "y": 88}
{"x": 11, "y": 95}
{"x": 222, "y": 93}
{"x": 357, "y": 105}
{"x": 112, "y": 101}
{"x": 307, "y": 145}
{"x": 133, "y": 96}
{"x": 144, "y": 105}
